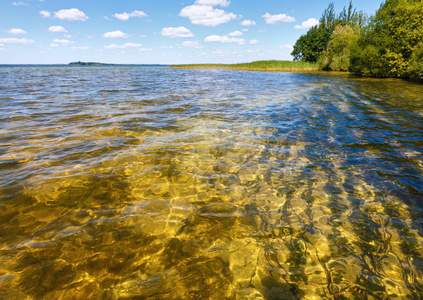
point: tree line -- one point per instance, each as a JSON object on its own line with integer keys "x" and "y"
{"x": 388, "y": 44}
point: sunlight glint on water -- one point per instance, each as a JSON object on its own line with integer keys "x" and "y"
{"x": 209, "y": 184}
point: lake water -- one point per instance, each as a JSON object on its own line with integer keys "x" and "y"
{"x": 157, "y": 183}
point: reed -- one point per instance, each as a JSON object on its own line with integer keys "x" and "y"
{"x": 269, "y": 65}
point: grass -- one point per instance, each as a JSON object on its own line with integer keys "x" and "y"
{"x": 269, "y": 65}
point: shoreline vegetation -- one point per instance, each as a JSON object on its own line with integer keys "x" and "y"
{"x": 388, "y": 44}
{"x": 269, "y": 66}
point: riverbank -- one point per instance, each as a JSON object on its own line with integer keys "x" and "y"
{"x": 270, "y": 66}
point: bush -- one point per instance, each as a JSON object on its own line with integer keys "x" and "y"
{"x": 415, "y": 65}
{"x": 367, "y": 61}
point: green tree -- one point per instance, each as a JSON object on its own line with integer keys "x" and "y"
{"x": 309, "y": 47}
{"x": 337, "y": 55}
{"x": 351, "y": 17}
{"x": 386, "y": 47}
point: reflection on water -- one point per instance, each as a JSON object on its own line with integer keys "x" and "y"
{"x": 153, "y": 183}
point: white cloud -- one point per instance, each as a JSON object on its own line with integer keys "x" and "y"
{"x": 248, "y": 23}
{"x": 177, "y": 32}
{"x": 254, "y": 42}
{"x": 281, "y": 18}
{"x": 223, "y": 39}
{"x": 125, "y": 16}
{"x": 287, "y": 48}
{"x": 20, "y": 3}
{"x": 235, "y": 33}
{"x": 192, "y": 44}
{"x": 145, "y": 49}
{"x": 206, "y": 15}
{"x": 16, "y": 31}
{"x": 63, "y": 42}
{"x": 213, "y": 2}
{"x": 16, "y": 41}
{"x": 72, "y": 14}
{"x": 81, "y": 48}
{"x": 57, "y": 29}
{"x": 116, "y": 35}
{"x": 308, "y": 24}
{"x": 124, "y": 46}
{"x": 45, "y": 14}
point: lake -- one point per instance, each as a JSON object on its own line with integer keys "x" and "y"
{"x": 159, "y": 183}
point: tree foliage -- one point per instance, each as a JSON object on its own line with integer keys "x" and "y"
{"x": 310, "y": 46}
{"x": 336, "y": 57}
{"x": 389, "y": 44}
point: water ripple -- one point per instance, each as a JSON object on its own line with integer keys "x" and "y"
{"x": 126, "y": 182}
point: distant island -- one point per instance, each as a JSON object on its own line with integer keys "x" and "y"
{"x": 81, "y": 63}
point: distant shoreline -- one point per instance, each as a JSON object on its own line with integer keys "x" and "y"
{"x": 269, "y": 66}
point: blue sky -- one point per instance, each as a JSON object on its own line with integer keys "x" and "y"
{"x": 156, "y": 31}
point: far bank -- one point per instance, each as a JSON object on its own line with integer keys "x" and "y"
{"x": 270, "y": 66}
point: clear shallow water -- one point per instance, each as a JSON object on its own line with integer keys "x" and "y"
{"x": 153, "y": 183}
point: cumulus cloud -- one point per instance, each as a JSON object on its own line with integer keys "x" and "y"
{"x": 224, "y": 39}
{"x": 206, "y": 15}
{"x": 248, "y": 23}
{"x": 72, "y": 14}
{"x": 254, "y": 42}
{"x": 116, "y": 35}
{"x": 16, "y": 41}
{"x": 16, "y": 31}
{"x": 125, "y": 16}
{"x": 124, "y": 46}
{"x": 281, "y": 18}
{"x": 192, "y": 44}
{"x": 235, "y": 33}
{"x": 45, "y": 14}
{"x": 308, "y": 24}
{"x": 145, "y": 49}
{"x": 63, "y": 42}
{"x": 57, "y": 29}
{"x": 213, "y": 2}
{"x": 177, "y": 32}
